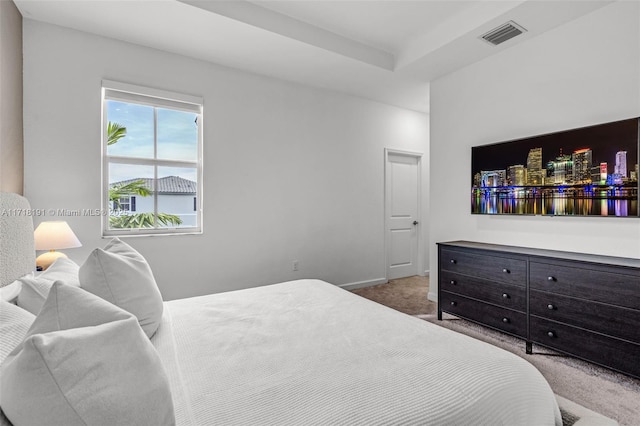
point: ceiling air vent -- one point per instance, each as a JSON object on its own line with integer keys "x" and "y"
{"x": 503, "y": 33}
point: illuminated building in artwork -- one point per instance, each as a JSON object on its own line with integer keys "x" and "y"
{"x": 582, "y": 162}
{"x": 517, "y": 175}
{"x": 596, "y": 173}
{"x": 621, "y": 164}
{"x": 603, "y": 172}
{"x": 560, "y": 171}
{"x": 534, "y": 167}
{"x": 493, "y": 178}
{"x": 477, "y": 180}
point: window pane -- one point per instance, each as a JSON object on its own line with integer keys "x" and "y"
{"x": 177, "y": 135}
{"x": 138, "y": 134}
{"x": 128, "y": 182}
{"x": 177, "y": 187}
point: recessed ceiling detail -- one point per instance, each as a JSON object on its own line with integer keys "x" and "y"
{"x": 387, "y": 51}
{"x": 503, "y": 33}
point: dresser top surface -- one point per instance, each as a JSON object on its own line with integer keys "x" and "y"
{"x": 556, "y": 254}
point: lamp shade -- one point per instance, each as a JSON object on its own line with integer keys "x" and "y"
{"x": 55, "y": 235}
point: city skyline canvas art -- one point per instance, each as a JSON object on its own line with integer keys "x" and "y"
{"x": 589, "y": 171}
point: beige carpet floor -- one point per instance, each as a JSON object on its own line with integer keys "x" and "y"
{"x": 408, "y": 295}
{"x": 599, "y": 389}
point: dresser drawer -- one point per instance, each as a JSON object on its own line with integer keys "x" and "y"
{"x": 608, "y": 351}
{"x": 512, "y": 270}
{"x": 505, "y": 295}
{"x": 506, "y": 320}
{"x": 598, "y": 285}
{"x": 607, "y": 319}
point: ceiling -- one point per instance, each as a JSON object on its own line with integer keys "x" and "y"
{"x": 385, "y": 50}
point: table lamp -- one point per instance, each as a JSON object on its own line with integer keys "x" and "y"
{"x": 51, "y": 236}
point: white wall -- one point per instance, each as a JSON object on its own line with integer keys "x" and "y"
{"x": 290, "y": 172}
{"x": 585, "y": 72}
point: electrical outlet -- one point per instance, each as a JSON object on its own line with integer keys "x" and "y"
{"x": 295, "y": 265}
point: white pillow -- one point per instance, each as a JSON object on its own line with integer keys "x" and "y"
{"x": 35, "y": 288}
{"x": 62, "y": 269}
{"x": 120, "y": 275}
{"x": 10, "y": 292}
{"x": 14, "y": 324}
{"x": 85, "y": 362}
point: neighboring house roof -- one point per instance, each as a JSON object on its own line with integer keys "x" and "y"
{"x": 165, "y": 185}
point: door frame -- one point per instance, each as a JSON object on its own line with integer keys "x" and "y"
{"x": 387, "y": 208}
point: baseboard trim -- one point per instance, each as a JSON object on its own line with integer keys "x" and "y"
{"x": 362, "y": 284}
{"x": 369, "y": 283}
{"x": 433, "y": 297}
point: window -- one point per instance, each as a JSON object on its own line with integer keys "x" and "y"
{"x": 152, "y": 161}
{"x": 124, "y": 204}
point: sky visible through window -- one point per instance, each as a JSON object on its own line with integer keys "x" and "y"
{"x": 177, "y": 138}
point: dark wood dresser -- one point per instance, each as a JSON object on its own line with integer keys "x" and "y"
{"x": 584, "y": 305}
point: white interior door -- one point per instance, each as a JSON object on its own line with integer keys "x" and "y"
{"x": 402, "y": 213}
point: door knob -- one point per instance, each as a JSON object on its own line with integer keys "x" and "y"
{"x": 415, "y": 222}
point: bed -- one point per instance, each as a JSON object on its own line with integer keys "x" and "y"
{"x": 299, "y": 352}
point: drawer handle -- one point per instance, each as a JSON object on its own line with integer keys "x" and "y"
{"x": 453, "y": 261}
{"x": 505, "y": 320}
{"x": 452, "y": 282}
{"x": 551, "y": 334}
{"x": 506, "y": 271}
{"x": 550, "y": 307}
{"x": 551, "y": 278}
{"x": 454, "y": 303}
{"x": 505, "y": 296}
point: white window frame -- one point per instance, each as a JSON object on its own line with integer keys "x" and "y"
{"x": 130, "y": 93}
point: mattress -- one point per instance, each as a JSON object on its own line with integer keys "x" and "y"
{"x": 308, "y": 352}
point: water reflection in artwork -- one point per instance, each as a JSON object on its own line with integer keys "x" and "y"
{"x": 557, "y": 201}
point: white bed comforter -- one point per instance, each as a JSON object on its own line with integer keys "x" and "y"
{"x": 309, "y": 353}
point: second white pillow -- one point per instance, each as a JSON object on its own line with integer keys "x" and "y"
{"x": 35, "y": 288}
{"x": 122, "y": 276}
